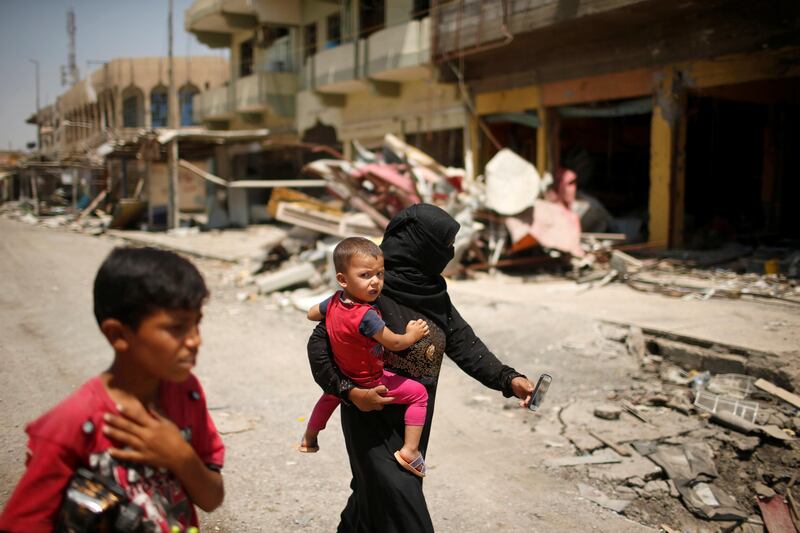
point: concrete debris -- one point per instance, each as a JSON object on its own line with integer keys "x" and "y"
{"x": 607, "y": 412}
{"x": 762, "y": 491}
{"x": 300, "y": 274}
{"x": 594, "y": 495}
{"x": 601, "y": 457}
{"x": 691, "y": 467}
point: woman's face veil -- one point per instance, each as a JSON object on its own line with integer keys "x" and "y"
{"x": 420, "y": 237}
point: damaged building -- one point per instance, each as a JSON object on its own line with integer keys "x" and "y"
{"x": 92, "y": 138}
{"x": 680, "y": 119}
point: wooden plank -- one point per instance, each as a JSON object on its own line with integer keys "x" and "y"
{"x": 203, "y": 174}
{"x": 626, "y": 84}
{"x": 783, "y": 394}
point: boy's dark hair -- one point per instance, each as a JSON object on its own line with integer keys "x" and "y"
{"x": 134, "y": 282}
{"x": 350, "y": 247}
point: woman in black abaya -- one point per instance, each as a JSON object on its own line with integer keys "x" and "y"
{"x": 417, "y": 245}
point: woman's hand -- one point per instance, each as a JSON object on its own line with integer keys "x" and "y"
{"x": 370, "y": 399}
{"x": 523, "y": 389}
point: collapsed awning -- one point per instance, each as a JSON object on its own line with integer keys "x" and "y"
{"x": 212, "y": 136}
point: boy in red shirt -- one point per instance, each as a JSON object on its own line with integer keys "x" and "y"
{"x": 141, "y": 428}
{"x": 358, "y": 336}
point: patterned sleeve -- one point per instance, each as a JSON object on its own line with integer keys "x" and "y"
{"x": 474, "y": 358}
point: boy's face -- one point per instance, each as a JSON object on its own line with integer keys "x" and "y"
{"x": 166, "y": 343}
{"x": 363, "y": 279}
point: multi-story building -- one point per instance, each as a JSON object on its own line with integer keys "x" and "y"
{"x": 330, "y": 72}
{"x": 127, "y": 95}
{"x": 95, "y": 130}
{"x": 683, "y": 116}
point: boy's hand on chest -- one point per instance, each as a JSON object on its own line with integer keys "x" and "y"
{"x": 146, "y": 437}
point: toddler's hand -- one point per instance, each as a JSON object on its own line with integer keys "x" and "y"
{"x": 417, "y": 329}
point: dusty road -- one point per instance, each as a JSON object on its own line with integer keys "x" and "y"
{"x": 484, "y": 457}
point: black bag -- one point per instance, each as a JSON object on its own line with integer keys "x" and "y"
{"x": 96, "y": 503}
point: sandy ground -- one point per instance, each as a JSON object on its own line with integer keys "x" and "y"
{"x": 485, "y": 460}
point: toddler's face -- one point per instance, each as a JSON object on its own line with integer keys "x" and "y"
{"x": 363, "y": 279}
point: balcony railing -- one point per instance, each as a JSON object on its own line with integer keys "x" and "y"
{"x": 267, "y": 91}
{"x": 213, "y": 104}
{"x": 399, "y": 52}
{"x": 339, "y": 69}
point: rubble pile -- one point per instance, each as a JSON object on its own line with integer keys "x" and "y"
{"x": 686, "y": 449}
{"x": 94, "y": 223}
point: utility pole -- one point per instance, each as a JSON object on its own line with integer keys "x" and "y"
{"x": 173, "y": 217}
{"x": 38, "y": 123}
{"x": 72, "y": 65}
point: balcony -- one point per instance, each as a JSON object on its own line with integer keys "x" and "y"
{"x": 337, "y": 70}
{"x": 468, "y": 26}
{"x": 273, "y": 92}
{"x": 213, "y": 104}
{"x": 213, "y": 21}
{"x": 401, "y": 52}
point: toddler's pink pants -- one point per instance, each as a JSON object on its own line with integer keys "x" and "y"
{"x": 405, "y": 391}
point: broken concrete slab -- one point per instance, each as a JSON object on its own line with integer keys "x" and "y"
{"x": 664, "y": 422}
{"x": 302, "y": 273}
{"x": 601, "y": 457}
{"x": 594, "y": 495}
{"x": 762, "y": 490}
{"x": 656, "y": 488}
{"x": 633, "y": 467}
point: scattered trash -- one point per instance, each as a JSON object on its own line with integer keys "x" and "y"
{"x": 777, "y": 517}
{"x": 783, "y": 394}
{"x": 691, "y": 467}
{"x": 715, "y": 404}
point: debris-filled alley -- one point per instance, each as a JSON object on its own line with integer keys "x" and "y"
{"x": 623, "y": 176}
{"x": 652, "y": 418}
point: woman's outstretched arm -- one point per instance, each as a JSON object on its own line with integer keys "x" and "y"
{"x": 332, "y": 381}
{"x": 474, "y": 358}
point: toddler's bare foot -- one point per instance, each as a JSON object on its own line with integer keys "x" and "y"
{"x": 308, "y": 445}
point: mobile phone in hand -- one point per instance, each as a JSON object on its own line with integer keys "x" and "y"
{"x": 539, "y": 391}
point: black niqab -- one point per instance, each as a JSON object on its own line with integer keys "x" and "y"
{"x": 417, "y": 245}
